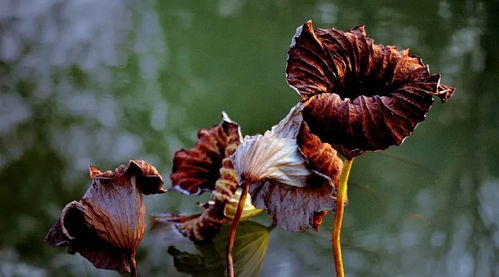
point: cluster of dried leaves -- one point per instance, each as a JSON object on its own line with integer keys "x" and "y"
{"x": 292, "y": 175}
{"x": 356, "y": 96}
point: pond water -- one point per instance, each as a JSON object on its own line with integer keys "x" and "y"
{"x": 101, "y": 82}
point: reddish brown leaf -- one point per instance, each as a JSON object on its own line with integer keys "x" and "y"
{"x": 208, "y": 167}
{"x": 204, "y": 227}
{"x": 197, "y": 170}
{"x": 108, "y": 223}
{"x": 75, "y": 233}
{"x": 318, "y": 217}
{"x": 359, "y": 96}
{"x": 320, "y": 156}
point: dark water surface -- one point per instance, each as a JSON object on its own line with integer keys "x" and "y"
{"x": 101, "y": 82}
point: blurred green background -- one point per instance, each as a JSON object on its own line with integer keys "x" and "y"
{"x": 101, "y": 82}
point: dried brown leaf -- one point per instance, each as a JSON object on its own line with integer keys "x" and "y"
{"x": 359, "y": 96}
{"x": 295, "y": 208}
{"x": 320, "y": 156}
{"x": 108, "y": 223}
{"x": 197, "y": 170}
{"x": 208, "y": 167}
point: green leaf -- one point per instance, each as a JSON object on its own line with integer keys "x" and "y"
{"x": 251, "y": 245}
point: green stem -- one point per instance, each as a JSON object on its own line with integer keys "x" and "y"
{"x": 233, "y": 229}
{"x": 338, "y": 218}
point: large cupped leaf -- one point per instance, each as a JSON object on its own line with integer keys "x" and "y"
{"x": 359, "y": 96}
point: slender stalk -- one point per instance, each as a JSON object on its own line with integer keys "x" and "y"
{"x": 133, "y": 266}
{"x": 338, "y": 218}
{"x": 233, "y": 229}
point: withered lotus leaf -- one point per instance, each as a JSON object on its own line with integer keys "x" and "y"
{"x": 274, "y": 155}
{"x": 208, "y": 167}
{"x": 108, "y": 223}
{"x": 322, "y": 158}
{"x": 294, "y": 208}
{"x": 197, "y": 170}
{"x": 295, "y": 182}
{"x": 359, "y": 96}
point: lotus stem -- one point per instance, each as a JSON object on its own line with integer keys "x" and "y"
{"x": 133, "y": 266}
{"x": 338, "y": 218}
{"x": 233, "y": 229}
